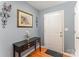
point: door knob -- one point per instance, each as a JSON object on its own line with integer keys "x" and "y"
{"x": 60, "y": 32}
{"x": 77, "y": 37}
{"x": 61, "y": 35}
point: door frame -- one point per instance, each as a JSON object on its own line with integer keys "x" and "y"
{"x": 62, "y": 28}
{"x": 76, "y": 32}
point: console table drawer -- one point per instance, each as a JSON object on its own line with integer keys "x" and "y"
{"x": 31, "y": 44}
{"x": 23, "y": 48}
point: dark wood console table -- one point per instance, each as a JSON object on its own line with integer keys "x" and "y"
{"x": 24, "y": 45}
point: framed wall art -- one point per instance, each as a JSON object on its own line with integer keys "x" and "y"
{"x": 24, "y": 19}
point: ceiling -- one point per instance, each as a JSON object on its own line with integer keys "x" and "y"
{"x": 40, "y": 5}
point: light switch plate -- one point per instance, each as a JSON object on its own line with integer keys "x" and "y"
{"x": 66, "y": 29}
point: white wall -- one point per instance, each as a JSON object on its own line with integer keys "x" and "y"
{"x": 12, "y": 33}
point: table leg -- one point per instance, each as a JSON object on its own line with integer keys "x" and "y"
{"x": 40, "y": 45}
{"x": 13, "y": 51}
{"x": 35, "y": 46}
{"x": 19, "y": 54}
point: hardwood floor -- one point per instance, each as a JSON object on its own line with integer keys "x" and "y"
{"x": 37, "y": 53}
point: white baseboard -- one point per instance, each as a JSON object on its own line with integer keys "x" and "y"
{"x": 65, "y": 54}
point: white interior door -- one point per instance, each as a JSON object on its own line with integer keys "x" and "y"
{"x": 54, "y": 31}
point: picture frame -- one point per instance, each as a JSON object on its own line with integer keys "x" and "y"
{"x": 24, "y": 19}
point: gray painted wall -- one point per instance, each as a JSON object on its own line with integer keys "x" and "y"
{"x": 69, "y": 40}
{"x": 11, "y": 33}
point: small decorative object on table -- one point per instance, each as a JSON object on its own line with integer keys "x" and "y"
{"x": 27, "y": 36}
